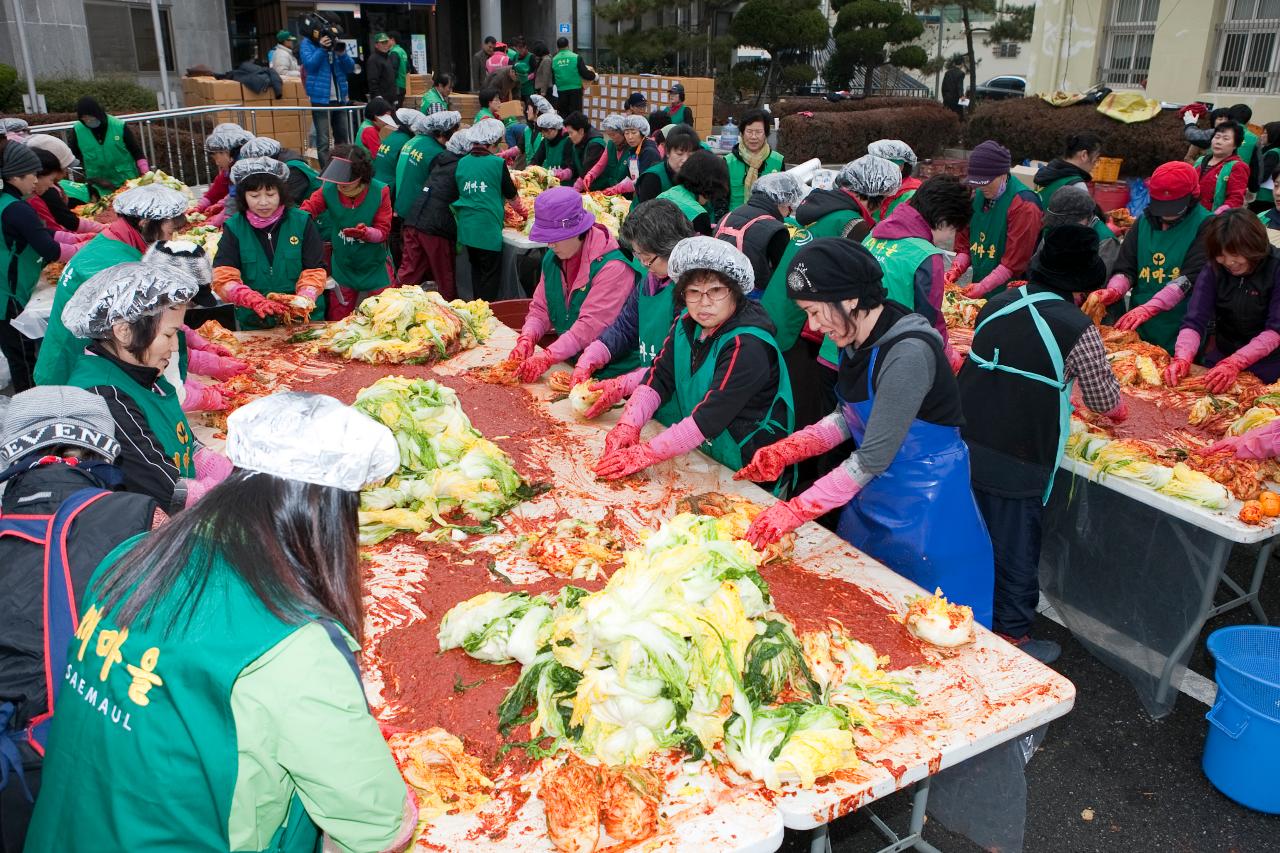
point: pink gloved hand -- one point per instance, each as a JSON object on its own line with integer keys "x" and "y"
{"x": 595, "y": 356}
{"x": 954, "y": 358}
{"x": 216, "y": 208}
{"x": 85, "y": 237}
{"x": 1135, "y": 317}
{"x": 622, "y": 435}
{"x": 1176, "y": 372}
{"x": 241, "y": 296}
{"x": 197, "y": 341}
{"x": 1223, "y": 375}
{"x": 1221, "y": 210}
{"x": 509, "y": 153}
{"x": 622, "y": 187}
{"x": 580, "y": 185}
{"x": 958, "y": 268}
{"x": 217, "y": 219}
{"x": 211, "y": 469}
{"x": 626, "y": 461}
{"x": 532, "y": 368}
{"x": 1119, "y": 413}
{"x": 66, "y": 251}
{"x": 522, "y": 350}
{"x": 143, "y": 166}
{"x": 356, "y": 232}
{"x": 994, "y": 280}
{"x": 1258, "y": 443}
{"x": 217, "y": 366}
{"x": 90, "y": 226}
{"x": 612, "y": 391}
{"x": 831, "y": 491}
{"x": 1097, "y": 303}
{"x": 201, "y": 205}
{"x": 562, "y": 175}
{"x": 202, "y": 398}
{"x": 769, "y": 462}
{"x": 67, "y": 238}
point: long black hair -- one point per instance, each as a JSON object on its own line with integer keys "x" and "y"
{"x": 294, "y": 544}
{"x": 376, "y": 107}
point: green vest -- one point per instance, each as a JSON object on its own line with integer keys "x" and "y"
{"x": 532, "y": 142}
{"x": 615, "y": 167}
{"x": 356, "y": 264}
{"x": 19, "y": 271}
{"x": 680, "y": 115}
{"x": 76, "y": 192}
{"x": 479, "y": 205}
{"x": 412, "y": 170}
{"x": 889, "y": 208}
{"x": 656, "y": 313}
{"x": 1046, "y": 192}
{"x": 564, "y": 314}
{"x": 60, "y": 350}
{"x": 692, "y": 386}
{"x": 564, "y": 67}
{"x": 579, "y": 162}
{"x": 664, "y": 177}
{"x": 688, "y": 203}
{"x": 559, "y": 153}
{"x": 434, "y": 98}
{"x": 108, "y": 160}
{"x": 482, "y": 115}
{"x": 159, "y": 708}
{"x": 1247, "y": 147}
{"x": 1219, "y": 188}
{"x": 989, "y": 228}
{"x": 523, "y": 70}
{"x": 788, "y": 319}
{"x": 1160, "y": 256}
{"x": 402, "y": 68}
{"x": 279, "y": 275}
{"x": 388, "y": 159}
{"x": 1266, "y": 194}
{"x": 313, "y": 179}
{"x": 163, "y": 412}
{"x": 899, "y": 259}
{"x": 833, "y": 224}
{"x": 738, "y": 176}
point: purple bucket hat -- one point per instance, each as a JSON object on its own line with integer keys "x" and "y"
{"x": 558, "y": 215}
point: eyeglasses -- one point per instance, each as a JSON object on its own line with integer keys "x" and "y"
{"x": 712, "y": 295}
{"x": 646, "y": 260}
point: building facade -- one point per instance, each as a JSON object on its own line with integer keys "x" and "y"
{"x": 1219, "y": 51}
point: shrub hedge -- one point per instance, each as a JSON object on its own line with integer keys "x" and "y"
{"x": 1032, "y": 129}
{"x": 792, "y": 105}
{"x": 838, "y": 137}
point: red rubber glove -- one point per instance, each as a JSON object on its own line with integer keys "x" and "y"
{"x": 772, "y": 524}
{"x": 769, "y": 462}
{"x": 1134, "y": 318}
{"x": 355, "y": 232}
{"x": 626, "y": 461}
{"x": 618, "y": 438}
{"x": 831, "y": 491}
{"x": 241, "y": 296}
{"x": 522, "y": 350}
{"x": 1099, "y": 301}
{"x": 1176, "y": 372}
{"x": 954, "y": 358}
{"x": 1223, "y": 375}
{"x": 532, "y": 368}
{"x": 594, "y": 356}
{"x": 612, "y": 391}
{"x": 958, "y": 268}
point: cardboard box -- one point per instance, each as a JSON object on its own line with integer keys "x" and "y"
{"x": 511, "y": 109}
{"x": 295, "y": 89}
{"x": 290, "y": 122}
{"x": 249, "y": 96}
{"x": 224, "y": 91}
{"x": 259, "y": 124}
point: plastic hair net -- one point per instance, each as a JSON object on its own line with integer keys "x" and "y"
{"x": 407, "y": 116}
{"x": 258, "y": 166}
{"x": 615, "y": 122}
{"x": 541, "y": 104}
{"x": 153, "y": 201}
{"x": 550, "y": 121}
{"x": 260, "y": 146}
{"x": 225, "y": 140}
{"x": 870, "y": 176}
{"x": 486, "y": 131}
{"x": 227, "y": 126}
{"x": 124, "y": 293}
{"x": 892, "y": 149}
{"x": 708, "y": 253}
{"x": 639, "y": 123}
{"x": 311, "y": 438}
{"x": 434, "y": 123}
{"x": 16, "y": 126}
{"x": 780, "y": 187}
{"x": 459, "y": 143}
{"x": 182, "y": 258}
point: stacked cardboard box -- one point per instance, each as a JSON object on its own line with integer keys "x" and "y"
{"x": 610, "y": 91}
{"x": 416, "y": 85}
{"x": 291, "y": 127}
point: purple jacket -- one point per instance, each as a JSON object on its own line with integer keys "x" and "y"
{"x": 1244, "y": 309}
{"x": 906, "y": 221}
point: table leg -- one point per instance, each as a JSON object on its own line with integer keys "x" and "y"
{"x": 820, "y": 839}
{"x": 1255, "y": 585}
{"x": 1218, "y": 565}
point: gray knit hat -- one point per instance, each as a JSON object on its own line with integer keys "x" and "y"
{"x": 1070, "y": 205}
{"x": 17, "y": 160}
{"x": 52, "y": 415}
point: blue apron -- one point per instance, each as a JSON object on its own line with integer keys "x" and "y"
{"x": 919, "y": 517}
{"x": 60, "y": 620}
{"x": 1058, "y": 381}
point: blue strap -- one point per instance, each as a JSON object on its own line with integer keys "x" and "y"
{"x": 10, "y": 757}
{"x": 339, "y": 641}
{"x": 871, "y": 371}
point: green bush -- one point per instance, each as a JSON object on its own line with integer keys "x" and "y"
{"x": 1033, "y": 130}
{"x": 838, "y": 137}
{"x": 791, "y": 105}
{"x": 117, "y": 95}
{"x": 10, "y": 99}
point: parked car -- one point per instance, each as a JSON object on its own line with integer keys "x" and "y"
{"x": 1000, "y": 88}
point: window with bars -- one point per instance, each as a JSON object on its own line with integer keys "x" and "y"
{"x": 124, "y": 39}
{"x": 1007, "y": 50}
{"x": 1248, "y": 48}
{"x": 1128, "y": 35}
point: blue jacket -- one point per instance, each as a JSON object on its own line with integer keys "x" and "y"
{"x": 622, "y": 337}
{"x": 319, "y": 65}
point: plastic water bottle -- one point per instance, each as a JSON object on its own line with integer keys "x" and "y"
{"x": 728, "y": 136}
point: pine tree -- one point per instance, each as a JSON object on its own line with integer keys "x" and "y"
{"x": 869, "y": 33}
{"x": 784, "y": 28}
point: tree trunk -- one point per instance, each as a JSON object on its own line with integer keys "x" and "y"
{"x": 768, "y": 77}
{"x": 972, "y": 60}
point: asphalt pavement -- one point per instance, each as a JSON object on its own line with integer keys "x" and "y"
{"x": 1108, "y": 777}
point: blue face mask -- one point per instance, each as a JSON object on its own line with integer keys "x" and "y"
{"x": 91, "y": 123}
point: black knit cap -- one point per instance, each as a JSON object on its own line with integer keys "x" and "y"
{"x": 833, "y": 269}
{"x": 18, "y": 159}
{"x": 1068, "y": 260}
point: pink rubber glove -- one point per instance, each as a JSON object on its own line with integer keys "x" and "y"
{"x": 211, "y": 469}
{"x": 532, "y": 368}
{"x": 241, "y": 296}
{"x": 954, "y": 358}
{"x": 997, "y": 278}
{"x": 594, "y": 357}
{"x": 626, "y": 461}
{"x": 831, "y": 491}
{"x": 356, "y": 232}
{"x": 958, "y": 268}
{"x": 63, "y": 238}
{"x": 85, "y": 237}
{"x": 622, "y": 187}
{"x": 769, "y": 462}
{"x": 1262, "y": 345}
{"x": 620, "y": 437}
{"x": 143, "y": 166}
{"x": 640, "y": 407}
{"x": 1176, "y": 372}
{"x": 1258, "y": 443}
{"x": 216, "y": 208}
{"x": 562, "y": 175}
{"x": 1223, "y": 375}
{"x": 202, "y": 398}
{"x": 1099, "y": 301}
{"x": 509, "y": 153}
{"x": 1119, "y": 413}
{"x": 1187, "y": 345}
{"x": 373, "y": 235}
{"x": 89, "y": 226}
{"x": 580, "y": 185}
{"x": 1222, "y": 210}
{"x": 217, "y": 366}
{"x": 613, "y": 391}
{"x": 522, "y": 350}
{"x": 66, "y": 251}
{"x": 200, "y": 206}
{"x": 1134, "y": 318}
{"x": 197, "y": 341}
{"x": 217, "y": 219}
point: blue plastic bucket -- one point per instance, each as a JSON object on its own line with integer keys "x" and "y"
{"x": 1242, "y": 750}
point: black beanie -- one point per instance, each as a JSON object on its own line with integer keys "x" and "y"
{"x": 833, "y": 269}
{"x": 1069, "y": 260}
{"x": 18, "y": 159}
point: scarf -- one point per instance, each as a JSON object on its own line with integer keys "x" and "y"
{"x": 261, "y": 222}
{"x": 125, "y": 233}
{"x": 754, "y": 162}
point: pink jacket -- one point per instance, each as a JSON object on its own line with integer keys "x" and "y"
{"x": 609, "y": 291}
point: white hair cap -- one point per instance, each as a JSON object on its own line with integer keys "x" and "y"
{"x": 487, "y": 131}
{"x": 181, "y": 257}
{"x": 616, "y": 122}
{"x": 247, "y": 166}
{"x": 459, "y": 143}
{"x": 407, "y": 116}
{"x": 708, "y": 253}
{"x": 151, "y": 201}
{"x": 261, "y": 146}
{"x": 639, "y": 123}
{"x": 781, "y": 188}
{"x": 227, "y": 126}
{"x": 124, "y": 293}
{"x": 550, "y": 121}
{"x": 871, "y": 176}
{"x": 892, "y": 149}
{"x": 311, "y": 438}
{"x": 15, "y": 127}
{"x": 225, "y": 140}
{"x": 55, "y": 146}
{"x": 541, "y": 104}
{"x": 437, "y": 122}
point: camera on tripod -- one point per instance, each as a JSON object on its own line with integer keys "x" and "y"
{"x": 316, "y": 26}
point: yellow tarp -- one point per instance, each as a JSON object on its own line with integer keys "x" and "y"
{"x": 1061, "y": 98}
{"x": 1129, "y": 107}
